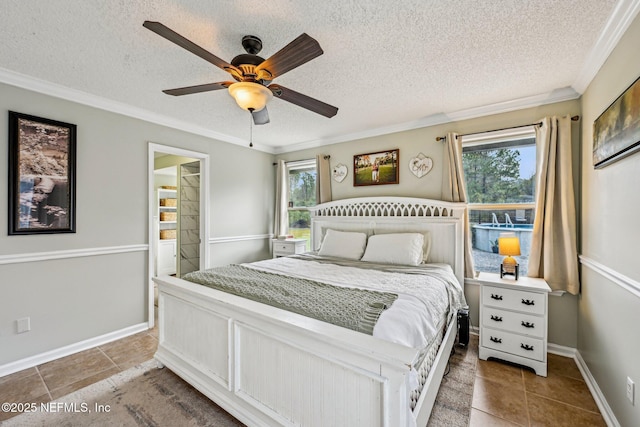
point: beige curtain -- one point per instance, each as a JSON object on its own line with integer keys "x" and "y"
{"x": 453, "y": 190}
{"x": 323, "y": 182}
{"x": 554, "y": 254}
{"x": 281, "y": 217}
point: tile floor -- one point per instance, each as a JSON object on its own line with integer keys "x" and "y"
{"x": 507, "y": 395}
{"x": 57, "y": 378}
{"x": 503, "y": 395}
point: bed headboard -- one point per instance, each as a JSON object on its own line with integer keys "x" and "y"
{"x": 444, "y": 221}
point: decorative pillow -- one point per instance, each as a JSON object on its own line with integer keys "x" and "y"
{"x": 426, "y": 246}
{"x": 399, "y": 248}
{"x": 343, "y": 244}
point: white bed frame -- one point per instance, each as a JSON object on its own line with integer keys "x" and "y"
{"x": 269, "y": 367}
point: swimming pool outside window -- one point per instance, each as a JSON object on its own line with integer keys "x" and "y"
{"x": 302, "y": 194}
{"x": 500, "y": 175}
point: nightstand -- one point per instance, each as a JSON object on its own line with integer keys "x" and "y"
{"x": 513, "y": 320}
{"x": 288, "y": 247}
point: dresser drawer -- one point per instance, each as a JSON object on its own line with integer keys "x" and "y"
{"x": 511, "y": 321}
{"x": 284, "y": 249}
{"x": 508, "y": 342}
{"x": 512, "y": 299}
{"x": 288, "y": 247}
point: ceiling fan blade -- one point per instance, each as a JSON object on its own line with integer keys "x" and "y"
{"x": 188, "y": 90}
{"x": 303, "y": 101}
{"x": 176, "y": 38}
{"x": 260, "y": 117}
{"x": 301, "y": 50}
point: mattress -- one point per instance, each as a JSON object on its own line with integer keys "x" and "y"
{"x": 428, "y": 294}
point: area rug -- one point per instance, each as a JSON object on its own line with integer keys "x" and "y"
{"x": 150, "y": 397}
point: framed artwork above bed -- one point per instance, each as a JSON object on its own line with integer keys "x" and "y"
{"x": 376, "y": 168}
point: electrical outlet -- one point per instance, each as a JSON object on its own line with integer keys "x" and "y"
{"x": 23, "y": 325}
{"x": 630, "y": 390}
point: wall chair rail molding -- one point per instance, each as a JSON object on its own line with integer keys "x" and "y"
{"x": 619, "y": 279}
{"x": 215, "y": 240}
{"x": 71, "y": 253}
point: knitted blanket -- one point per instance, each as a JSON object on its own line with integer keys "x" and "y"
{"x": 356, "y": 309}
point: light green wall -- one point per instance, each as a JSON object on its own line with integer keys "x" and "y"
{"x": 608, "y": 315}
{"x": 72, "y": 300}
{"x": 563, "y": 310}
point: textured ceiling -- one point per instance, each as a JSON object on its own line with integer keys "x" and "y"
{"x": 386, "y": 64}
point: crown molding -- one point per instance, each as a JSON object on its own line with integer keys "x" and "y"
{"x": 558, "y": 95}
{"x": 58, "y": 91}
{"x": 622, "y": 16}
{"x": 619, "y": 21}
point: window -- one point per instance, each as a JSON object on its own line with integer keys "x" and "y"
{"x": 500, "y": 174}
{"x": 302, "y": 194}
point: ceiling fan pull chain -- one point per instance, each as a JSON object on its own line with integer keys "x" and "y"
{"x": 250, "y": 129}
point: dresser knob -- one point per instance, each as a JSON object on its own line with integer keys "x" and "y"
{"x": 527, "y": 324}
{"x": 496, "y": 297}
{"x": 526, "y": 347}
{"x": 496, "y": 318}
{"x": 496, "y": 340}
{"x": 528, "y": 302}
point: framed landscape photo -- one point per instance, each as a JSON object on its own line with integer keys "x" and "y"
{"x": 376, "y": 168}
{"x": 616, "y": 133}
{"x": 42, "y": 188}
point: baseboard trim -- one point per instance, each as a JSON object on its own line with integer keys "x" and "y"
{"x": 601, "y": 402}
{"x": 71, "y": 253}
{"x": 48, "y": 356}
{"x": 599, "y": 398}
{"x": 561, "y": 350}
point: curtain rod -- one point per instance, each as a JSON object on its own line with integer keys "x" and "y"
{"x": 327, "y": 157}
{"x": 442, "y": 138}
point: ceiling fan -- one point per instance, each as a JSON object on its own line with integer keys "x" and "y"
{"x": 253, "y": 74}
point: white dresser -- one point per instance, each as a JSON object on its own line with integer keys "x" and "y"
{"x": 513, "y": 320}
{"x": 288, "y": 247}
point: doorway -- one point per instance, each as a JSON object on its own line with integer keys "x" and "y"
{"x": 178, "y": 213}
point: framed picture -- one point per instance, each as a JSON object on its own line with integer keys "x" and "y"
{"x": 42, "y": 188}
{"x": 616, "y": 133}
{"x": 376, "y": 168}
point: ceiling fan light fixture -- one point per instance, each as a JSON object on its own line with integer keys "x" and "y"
{"x": 250, "y": 96}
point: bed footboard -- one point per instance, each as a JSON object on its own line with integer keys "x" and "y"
{"x": 266, "y": 366}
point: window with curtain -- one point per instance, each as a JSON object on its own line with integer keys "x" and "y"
{"x": 302, "y": 194}
{"x": 500, "y": 169}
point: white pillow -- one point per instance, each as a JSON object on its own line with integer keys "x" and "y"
{"x": 426, "y": 245}
{"x": 400, "y": 248}
{"x": 343, "y": 244}
{"x": 357, "y": 228}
